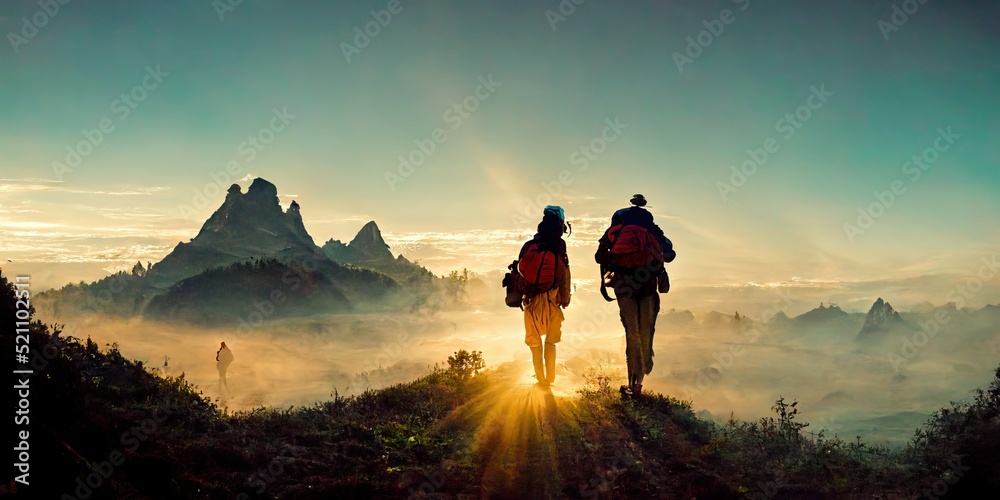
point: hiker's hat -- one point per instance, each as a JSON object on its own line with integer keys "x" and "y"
{"x": 556, "y": 211}
{"x": 638, "y": 200}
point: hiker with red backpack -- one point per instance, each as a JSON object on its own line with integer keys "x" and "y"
{"x": 539, "y": 282}
{"x": 631, "y": 254}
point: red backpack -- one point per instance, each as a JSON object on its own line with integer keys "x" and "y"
{"x": 534, "y": 273}
{"x": 634, "y": 246}
{"x": 538, "y": 267}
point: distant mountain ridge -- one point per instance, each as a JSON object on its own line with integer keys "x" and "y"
{"x": 250, "y": 252}
{"x": 369, "y": 250}
{"x": 245, "y": 226}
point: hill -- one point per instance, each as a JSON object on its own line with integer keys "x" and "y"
{"x": 248, "y": 292}
{"x": 108, "y": 427}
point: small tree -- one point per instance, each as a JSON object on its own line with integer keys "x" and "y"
{"x": 457, "y": 283}
{"x": 465, "y": 364}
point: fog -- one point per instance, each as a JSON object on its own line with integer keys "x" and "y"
{"x": 724, "y": 367}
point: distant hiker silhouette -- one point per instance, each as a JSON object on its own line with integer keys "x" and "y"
{"x": 631, "y": 254}
{"x": 223, "y": 358}
{"x": 539, "y": 282}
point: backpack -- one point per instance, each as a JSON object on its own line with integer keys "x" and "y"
{"x": 537, "y": 266}
{"x": 633, "y": 246}
{"x": 515, "y": 285}
{"x": 534, "y": 273}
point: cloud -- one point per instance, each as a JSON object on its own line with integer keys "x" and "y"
{"x": 123, "y": 192}
{"x": 17, "y": 210}
{"x": 30, "y": 185}
{"x": 29, "y": 225}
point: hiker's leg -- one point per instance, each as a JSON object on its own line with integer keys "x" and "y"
{"x": 553, "y": 336}
{"x": 533, "y": 330}
{"x": 550, "y": 362}
{"x": 536, "y": 361}
{"x": 629, "y": 310}
{"x": 649, "y": 310}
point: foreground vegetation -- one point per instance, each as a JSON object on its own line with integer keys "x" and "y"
{"x": 103, "y": 426}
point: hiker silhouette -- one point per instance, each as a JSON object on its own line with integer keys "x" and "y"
{"x": 631, "y": 253}
{"x": 544, "y": 261}
{"x": 223, "y": 358}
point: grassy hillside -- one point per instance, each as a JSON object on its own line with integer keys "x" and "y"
{"x": 98, "y": 417}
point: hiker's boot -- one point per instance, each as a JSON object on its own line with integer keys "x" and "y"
{"x": 550, "y": 363}
{"x": 536, "y": 360}
{"x": 637, "y": 386}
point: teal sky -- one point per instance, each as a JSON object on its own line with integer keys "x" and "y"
{"x": 557, "y": 88}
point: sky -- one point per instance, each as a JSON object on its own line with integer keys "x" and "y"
{"x": 123, "y": 123}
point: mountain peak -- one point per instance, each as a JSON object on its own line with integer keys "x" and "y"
{"x": 261, "y": 187}
{"x": 370, "y": 245}
{"x": 823, "y": 313}
{"x": 250, "y": 224}
{"x": 881, "y": 307}
{"x": 881, "y": 317}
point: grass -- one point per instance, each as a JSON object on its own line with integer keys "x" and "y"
{"x": 89, "y": 403}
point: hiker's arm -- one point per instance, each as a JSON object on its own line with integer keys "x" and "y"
{"x": 564, "y": 281}
{"x": 666, "y": 245}
{"x": 668, "y": 250}
{"x": 603, "y": 255}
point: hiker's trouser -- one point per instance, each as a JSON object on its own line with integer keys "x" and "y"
{"x": 638, "y": 313}
{"x": 543, "y": 318}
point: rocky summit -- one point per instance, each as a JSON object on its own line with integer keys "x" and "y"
{"x": 881, "y": 318}
{"x": 369, "y": 244}
{"x": 247, "y": 225}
